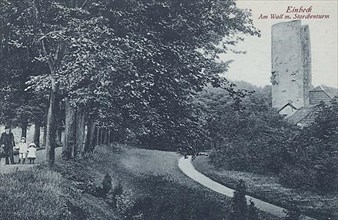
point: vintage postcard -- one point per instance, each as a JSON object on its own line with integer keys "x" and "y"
{"x": 169, "y": 109}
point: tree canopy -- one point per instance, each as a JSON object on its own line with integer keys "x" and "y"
{"x": 133, "y": 64}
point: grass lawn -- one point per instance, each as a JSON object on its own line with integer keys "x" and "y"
{"x": 268, "y": 188}
{"x": 156, "y": 174}
{"x": 153, "y": 188}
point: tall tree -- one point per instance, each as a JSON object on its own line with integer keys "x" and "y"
{"x": 137, "y": 62}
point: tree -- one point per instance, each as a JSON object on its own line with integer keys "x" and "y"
{"x": 138, "y": 63}
{"x": 312, "y": 152}
{"x": 166, "y": 61}
{"x": 20, "y": 107}
{"x": 244, "y": 129}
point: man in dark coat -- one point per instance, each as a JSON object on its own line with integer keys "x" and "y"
{"x": 7, "y": 142}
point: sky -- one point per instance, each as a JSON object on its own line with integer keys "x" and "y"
{"x": 255, "y": 66}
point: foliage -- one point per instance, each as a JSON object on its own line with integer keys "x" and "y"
{"x": 18, "y": 64}
{"x": 124, "y": 203}
{"x": 252, "y": 211}
{"x": 293, "y": 214}
{"x": 165, "y": 199}
{"x": 134, "y": 64}
{"x": 117, "y": 191}
{"x": 106, "y": 186}
{"x": 313, "y": 152}
{"x": 239, "y": 207}
{"x": 246, "y": 135}
{"x": 255, "y": 138}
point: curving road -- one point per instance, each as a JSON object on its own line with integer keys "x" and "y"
{"x": 188, "y": 169}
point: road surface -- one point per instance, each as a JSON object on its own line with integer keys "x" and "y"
{"x": 188, "y": 169}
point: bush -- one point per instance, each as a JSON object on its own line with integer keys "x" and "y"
{"x": 239, "y": 208}
{"x": 112, "y": 197}
{"x": 252, "y": 211}
{"x": 124, "y": 203}
{"x": 295, "y": 176}
{"x": 293, "y": 214}
{"x": 106, "y": 186}
{"x": 303, "y": 158}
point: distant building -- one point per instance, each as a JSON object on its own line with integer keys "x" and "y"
{"x": 304, "y": 116}
{"x": 292, "y": 92}
{"x": 322, "y": 93}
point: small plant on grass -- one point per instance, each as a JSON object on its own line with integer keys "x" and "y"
{"x": 124, "y": 203}
{"x": 293, "y": 214}
{"x": 141, "y": 209}
{"x": 106, "y": 186}
{"x": 252, "y": 211}
{"x": 117, "y": 191}
{"x": 239, "y": 207}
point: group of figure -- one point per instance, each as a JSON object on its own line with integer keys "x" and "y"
{"x": 8, "y": 146}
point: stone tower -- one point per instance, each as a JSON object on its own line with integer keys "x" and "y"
{"x": 291, "y": 66}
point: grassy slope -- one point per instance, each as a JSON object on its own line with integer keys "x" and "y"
{"x": 63, "y": 192}
{"x": 43, "y": 194}
{"x": 138, "y": 170}
{"x": 268, "y": 188}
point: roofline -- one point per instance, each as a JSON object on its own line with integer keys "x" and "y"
{"x": 304, "y": 115}
{"x": 287, "y": 105}
{"x": 323, "y": 89}
{"x": 321, "y": 86}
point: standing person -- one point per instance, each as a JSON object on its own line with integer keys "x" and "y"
{"x": 23, "y": 149}
{"x": 31, "y": 153}
{"x": 7, "y": 142}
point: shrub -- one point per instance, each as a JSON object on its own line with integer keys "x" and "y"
{"x": 293, "y": 214}
{"x": 239, "y": 208}
{"x": 117, "y": 191}
{"x": 124, "y": 203}
{"x": 106, "y": 186}
{"x": 252, "y": 211}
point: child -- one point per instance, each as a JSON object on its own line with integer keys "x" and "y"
{"x": 31, "y": 153}
{"x": 22, "y": 150}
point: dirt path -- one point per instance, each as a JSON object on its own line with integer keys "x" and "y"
{"x": 40, "y": 157}
{"x": 187, "y": 168}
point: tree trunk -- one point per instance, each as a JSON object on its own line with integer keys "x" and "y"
{"x": 24, "y": 125}
{"x": 59, "y": 137}
{"x": 44, "y": 137}
{"x": 51, "y": 124}
{"x": 53, "y": 97}
{"x": 109, "y": 134}
{"x": 90, "y": 139}
{"x": 80, "y": 131}
{"x": 98, "y": 136}
{"x": 102, "y": 136}
{"x": 70, "y": 128}
{"x": 37, "y": 134}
